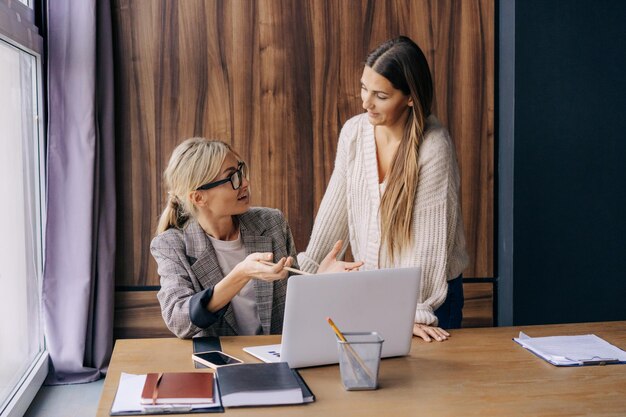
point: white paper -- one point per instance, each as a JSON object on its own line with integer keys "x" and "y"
{"x": 128, "y": 397}
{"x": 572, "y": 350}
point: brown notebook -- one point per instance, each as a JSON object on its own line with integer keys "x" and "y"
{"x": 178, "y": 388}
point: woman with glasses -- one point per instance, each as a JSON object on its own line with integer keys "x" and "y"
{"x": 210, "y": 245}
{"x": 394, "y": 191}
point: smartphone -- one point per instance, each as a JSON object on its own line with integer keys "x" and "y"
{"x": 215, "y": 358}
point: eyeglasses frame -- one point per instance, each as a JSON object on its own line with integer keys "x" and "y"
{"x": 240, "y": 167}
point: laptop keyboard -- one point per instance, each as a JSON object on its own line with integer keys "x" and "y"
{"x": 273, "y": 352}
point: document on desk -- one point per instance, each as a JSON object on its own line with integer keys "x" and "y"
{"x": 127, "y": 401}
{"x": 577, "y": 350}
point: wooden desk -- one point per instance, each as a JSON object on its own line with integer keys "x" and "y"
{"x": 476, "y": 372}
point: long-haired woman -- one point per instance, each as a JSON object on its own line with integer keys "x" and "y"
{"x": 394, "y": 192}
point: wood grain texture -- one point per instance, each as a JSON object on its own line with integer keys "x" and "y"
{"x": 478, "y": 307}
{"x": 477, "y": 372}
{"x": 277, "y": 79}
{"x": 138, "y": 313}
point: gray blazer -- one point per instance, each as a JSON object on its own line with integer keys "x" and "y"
{"x": 189, "y": 270}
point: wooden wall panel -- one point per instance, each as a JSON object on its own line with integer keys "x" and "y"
{"x": 479, "y": 304}
{"x": 277, "y": 79}
{"x": 138, "y": 314}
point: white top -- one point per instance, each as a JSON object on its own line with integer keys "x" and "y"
{"x": 229, "y": 253}
{"x": 350, "y": 210}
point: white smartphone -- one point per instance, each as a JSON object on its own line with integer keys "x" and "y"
{"x": 214, "y": 359}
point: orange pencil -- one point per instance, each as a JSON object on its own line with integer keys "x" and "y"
{"x": 335, "y": 329}
{"x": 349, "y": 348}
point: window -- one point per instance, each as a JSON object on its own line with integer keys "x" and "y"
{"x": 24, "y": 361}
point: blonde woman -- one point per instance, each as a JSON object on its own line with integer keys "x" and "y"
{"x": 394, "y": 191}
{"x": 209, "y": 243}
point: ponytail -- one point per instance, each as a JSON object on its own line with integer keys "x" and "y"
{"x": 173, "y": 215}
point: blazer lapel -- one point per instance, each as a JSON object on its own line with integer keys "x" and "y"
{"x": 251, "y": 234}
{"x": 204, "y": 263}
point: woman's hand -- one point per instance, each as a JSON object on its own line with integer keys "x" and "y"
{"x": 331, "y": 264}
{"x": 252, "y": 268}
{"x": 242, "y": 273}
{"x": 428, "y": 332}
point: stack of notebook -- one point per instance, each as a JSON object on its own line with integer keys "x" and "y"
{"x": 205, "y": 392}
{"x": 167, "y": 393}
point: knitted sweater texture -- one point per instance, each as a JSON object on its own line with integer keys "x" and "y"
{"x": 350, "y": 211}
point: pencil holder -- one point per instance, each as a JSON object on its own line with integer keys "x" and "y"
{"x": 359, "y": 360}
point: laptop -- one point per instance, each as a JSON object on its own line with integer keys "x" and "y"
{"x": 381, "y": 301}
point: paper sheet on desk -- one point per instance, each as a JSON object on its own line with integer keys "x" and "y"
{"x": 128, "y": 398}
{"x": 572, "y": 350}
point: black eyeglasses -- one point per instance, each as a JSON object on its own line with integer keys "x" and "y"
{"x": 236, "y": 178}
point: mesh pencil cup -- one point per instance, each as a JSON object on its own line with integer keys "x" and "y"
{"x": 359, "y": 360}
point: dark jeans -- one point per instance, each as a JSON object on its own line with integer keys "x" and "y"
{"x": 450, "y": 313}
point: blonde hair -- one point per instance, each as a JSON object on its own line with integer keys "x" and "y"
{"x": 194, "y": 162}
{"x": 403, "y": 63}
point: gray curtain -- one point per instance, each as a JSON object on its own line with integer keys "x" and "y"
{"x": 78, "y": 285}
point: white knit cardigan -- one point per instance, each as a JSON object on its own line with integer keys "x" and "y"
{"x": 350, "y": 210}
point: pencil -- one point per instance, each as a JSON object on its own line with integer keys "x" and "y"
{"x": 341, "y": 337}
{"x": 336, "y": 330}
{"x": 294, "y": 270}
{"x": 349, "y": 347}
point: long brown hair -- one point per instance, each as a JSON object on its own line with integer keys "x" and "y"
{"x": 403, "y": 63}
{"x": 194, "y": 162}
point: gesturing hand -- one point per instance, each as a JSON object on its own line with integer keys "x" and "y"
{"x": 331, "y": 264}
{"x": 251, "y": 267}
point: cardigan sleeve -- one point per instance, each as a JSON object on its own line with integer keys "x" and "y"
{"x": 331, "y": 223}
{"x": 435, "y": 222}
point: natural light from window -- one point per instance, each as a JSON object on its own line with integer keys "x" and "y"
{"x": 21, "y": 340}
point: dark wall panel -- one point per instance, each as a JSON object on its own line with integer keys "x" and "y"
{"x": 570, "y": 158}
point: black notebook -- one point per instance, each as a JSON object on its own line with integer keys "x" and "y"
{"x": 260, "y": 384}
{"x": 307, "y": 394}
